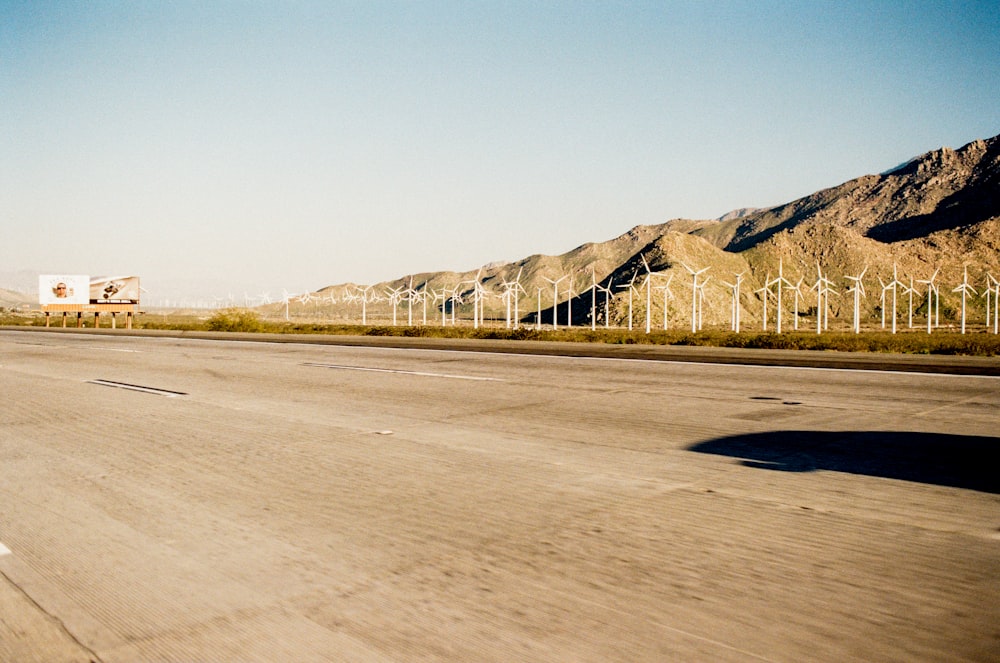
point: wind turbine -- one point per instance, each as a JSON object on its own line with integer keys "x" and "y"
{"x": 593, "y": 299}
{"x": 394, "y": 295}
{"x": 859, "y": 291}
{"x": 667, "y": 293}
{"x": 569, "y": 301}
{"x": 781, "y": 282}
{"x": 518, "y": 288}
{"x": 823, "y": 289}
{"x": 734, "y": 316}
{"x": 607, "y": 301}
{"x": 909, "y": 291}
{"x": 442, "y": 296}
{"x": 892, "y": 285}
{"x": 423, "y": 300}
{"x": 630, "y": 287}
{"x": 992, "y": 285}
{"x": 538, "y": 316}
{"x": 365, "y": 295}
{"x": 649, "y": 285}
{"x": 701, "y": 300}
{"x": 764, "y": 292}
{"x": 933, "y": 300}
{"x": 409, "y": 292}
{"x": 965, "y": 288}
{"x": 555, "y": 299}
{"x": 695, "y": 317}
{"x": 797, "y": 291}
{"x": 456, "y": 298}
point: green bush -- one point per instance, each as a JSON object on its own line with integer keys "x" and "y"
{"x": 235, "y": 320}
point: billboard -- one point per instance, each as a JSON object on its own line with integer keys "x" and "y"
{"x": 63, "y": 289}
{"x": 114, "y": 290}
{"x": 80, "y": 289}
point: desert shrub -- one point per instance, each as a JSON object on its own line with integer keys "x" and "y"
{"x": 235, "y": 320}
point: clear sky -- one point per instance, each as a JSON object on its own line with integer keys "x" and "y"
{"x": 300, "y": 144}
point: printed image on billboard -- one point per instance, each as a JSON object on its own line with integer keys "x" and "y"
{"x": 63, "y": 289}
{"x": 114, "y": 290}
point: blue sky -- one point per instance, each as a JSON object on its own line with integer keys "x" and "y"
{"x": 231, "y": 145}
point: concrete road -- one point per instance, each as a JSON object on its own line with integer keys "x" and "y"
{"x": 197, "y": 500}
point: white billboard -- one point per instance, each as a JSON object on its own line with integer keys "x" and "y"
{"x": 114, "y": 290}
{"x": 63, "y": 289}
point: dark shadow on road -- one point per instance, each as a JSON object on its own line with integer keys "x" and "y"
{"x": 959, "y": 461}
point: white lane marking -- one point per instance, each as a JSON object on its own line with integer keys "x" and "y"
{"x": 114, "y": 349}
{"x": 682, "y": 362}
{"x": 136, "y": 387}
{"x": 4, "y": 550}
{"x": 402, "y": 372}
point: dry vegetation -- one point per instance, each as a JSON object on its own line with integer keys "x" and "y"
{"x": 911, "y": 341}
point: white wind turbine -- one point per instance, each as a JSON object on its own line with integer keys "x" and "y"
{"x": 569, "y": 301}
{"x": 965, "y": 288}
{"x": 409, "y": 293}
{"x": 734, "y": 316}
{"x": 630, "y": 288}
{"x": 593, "y": 298}
{"x": 456, "y": 298}
{"x": 992, "y": 285}
{"x": 797, "y": 292}
{"x": 859, "y": 291}
{"x": 823, "y": 288}
{"x": 506, "y": 295}
{"x": 478, "y": 295}
{"x": 365, "y": 297}
{"x": 781, "y": 282}
{"x": 511, "y": 295}
{"x": 764, "y": 292}
{"x": 909, "y": 291}
{"x": 555, "y": 299}
{"x": 701, "y": 301}
{"x": 667, "y": 294}
{"x": 394, "y": 296}
{"x": 538, "y": 316}
{"x": 519, "y": 290}
{"x": 423, "y": 292}
{"x": 695, "y": 315}
{"x": 892, "y": 285}
{"x": 441, "y": 296}
{"x": 607, "y": 301}
{"x": 649, "y": 287}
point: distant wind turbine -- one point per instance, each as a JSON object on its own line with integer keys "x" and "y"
{"x": 695, "y": 308}
{"x": 859, "y": 291}
{"x": 965, "y": 288}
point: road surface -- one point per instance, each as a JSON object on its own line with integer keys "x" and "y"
{"x": 174, "y": 499}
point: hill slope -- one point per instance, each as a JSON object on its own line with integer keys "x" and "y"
{"x": 939, "y": 211}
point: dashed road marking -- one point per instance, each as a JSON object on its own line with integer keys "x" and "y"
{"x": 136, "y": 387}
{"x": 402, "y": 372}
{"x": 4, "y": 550}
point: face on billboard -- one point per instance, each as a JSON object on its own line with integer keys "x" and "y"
{"x": 63, "y": 289}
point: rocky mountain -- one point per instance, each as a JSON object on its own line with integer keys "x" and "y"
{"x": 939, "y": 212}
